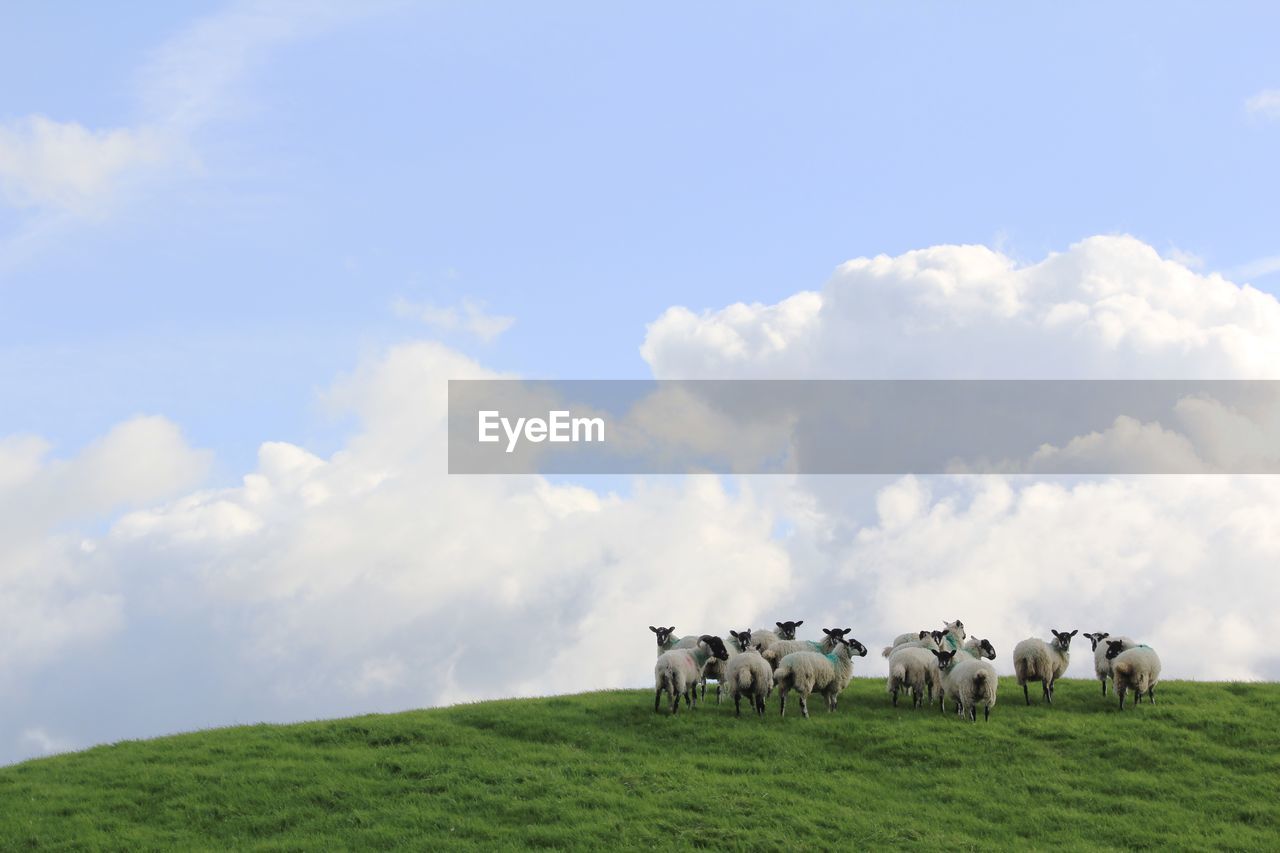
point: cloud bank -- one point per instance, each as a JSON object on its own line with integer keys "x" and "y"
{"x": 141, "y": 600}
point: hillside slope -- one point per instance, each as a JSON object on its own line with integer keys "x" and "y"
{"x": 1202, "y": 769}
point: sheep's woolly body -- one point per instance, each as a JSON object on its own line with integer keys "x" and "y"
{"x": 764, "y": 638}
{"x": 1102, "y": 666}
{"x": 914, "y": 669}
{"x": 1036, "y": 660}
{"x": 780, "y": 649}
{"x": 926, "y": 644}
{"x": 812, "y": 672}
{"x": 971, "y": 683}
{"x": 677, "y": 674}
{"x": 1137, "y": 669}
{"x": 747, "y": 674}
{"x": 689, "y": 642}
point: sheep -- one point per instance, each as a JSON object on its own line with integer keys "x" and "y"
{"x": 748, "y": 675}
{"x": 765, "y": 638}
{"x": 910, "y": 636}
{"x": 807, "y": 672}
{"x": 1101, "y": 665}
{"x": 1137, "y": 668}
{"x": 926, "y": 640}
{"x": 677, "y": 671}
{"x": 1036, "y": 660}
{"x": 915, "y": 669}
{"x": 780, "y": 649}
{"x": 970, "y": 681}
{"x": 667, "y": 640}
{"x": 952, "y": 635}
{"x": 977, "y": 648}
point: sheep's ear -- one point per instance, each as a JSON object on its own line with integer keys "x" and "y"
{"x": 653, "y": 629}
{"x": 734, "y": 634}
{"x": 936, "y": 653}
{"x": 827, "y": 631}
{"x": 779, "y": 624}
{"x": 1074, "y": 631}
{"x": 799, "y": 623}
{"x": 1055, "y": 633}
{"x": 847, "y": 630}
{"x": 671, "y": 630}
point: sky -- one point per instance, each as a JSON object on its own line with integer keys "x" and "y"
{"x": 243, "y": 245}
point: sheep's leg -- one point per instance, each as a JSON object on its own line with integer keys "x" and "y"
{"x": 657, "y": 700}
{"x": 1120, "y": 692}
{"x": 804, "y": 705}
{"x": 1025, "y": 694}
{"x": 760, "y": 706}
{"x": 1048, "y": 690}
{"x": 986, "y": 713}
{"x": 782, "y": 709}
{"x": 1151, "y": 694}
{"x": 1104, "y": 687}
{"x": 895, "y": 697}
{"x": 737, "y": 705}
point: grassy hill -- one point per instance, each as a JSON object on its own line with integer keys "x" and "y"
{"x": 1200, "y": 770}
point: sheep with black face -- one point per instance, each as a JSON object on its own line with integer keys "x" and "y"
{"x": 1101, "y": 663}
{"x": 678, "y": 671}
{"x": 780, "y": 649}
{"x": 969, "y": 681}
{"x": 813, "y": 672}
{"x": 1136, "y": 669}
{"x": 1036, "y": 660}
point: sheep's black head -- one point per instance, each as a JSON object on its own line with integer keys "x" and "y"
{"x": 937, "y": 636}
{"x": 837, "y": 633}
{"x": 742, "y": 639}
{"x": 925, "y": 632}
{"x": 664, "y": 634}
{"x": 944, "y": 658}
{"x": 1095, "y": 638}
{"x": 1064, "y": 638}
{"x": 856, "y": 649}
{"x": 1114, "y": 648}
{"x": 787, "y": 630}
{"x": 715, "y": 646}
{"x": 987, "y": 650}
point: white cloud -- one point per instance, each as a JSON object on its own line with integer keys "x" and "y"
{"x": 188, "y": 82}
{"x": 1265, "y": 104}
{"x": 62, "y": 165}
{"x": 1108, "y": 307}
{"x": 469, "y": 317}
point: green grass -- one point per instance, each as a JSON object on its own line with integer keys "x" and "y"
{"x": 1199, "y": 770}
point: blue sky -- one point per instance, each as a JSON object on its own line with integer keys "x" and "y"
{"x": 582, "y": 169}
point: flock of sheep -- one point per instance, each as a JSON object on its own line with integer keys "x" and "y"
{"x": 947, "y": 665}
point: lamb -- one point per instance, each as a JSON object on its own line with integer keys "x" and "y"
{"x": 970, "y": 681}
{"x": 678, "y": 671}
{"x": 915, "y": 669}
{"x": 1137, "y": 668}
{"x": 749, "y": 675}
{"x": 786, "y": 631}
{"x": 780, "y": 649}
{"x": 1036, "y": 660}
{"x": 1101, "y": 664}
{"x": 809, "y": 672}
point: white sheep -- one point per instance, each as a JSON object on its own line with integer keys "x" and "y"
{"x": 970, "y": 681}
{"x": 781, "y": 648}
{"x": 678, "y": 671}
{"x": 1101, "y": 664}
{"x": 976, "y": 648}
{"x": 810, "y": 672}
{"x": 952, "y": 635}
{"x": 915, "y": 669}
{"x": 1137, "y": 668}
{"x": 1036, "y": 660}
{"x": 747, "y": 674}
{"x": 926, "y": 640}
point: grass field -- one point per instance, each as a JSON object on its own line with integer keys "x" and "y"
{"x": 1199, "y": 770}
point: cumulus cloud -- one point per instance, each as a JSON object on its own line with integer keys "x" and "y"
{"x": 369, "y": 579}
{"x": 1108, "y": 307}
